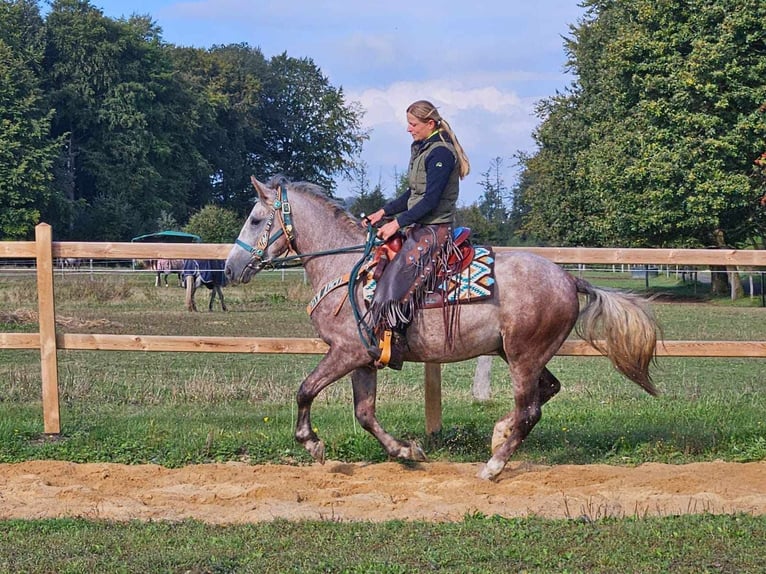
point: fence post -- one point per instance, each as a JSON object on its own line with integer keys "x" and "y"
{"x": 47, "y": 320}
{"x": 433, "y": 397}
{"x": 481, "y": 389}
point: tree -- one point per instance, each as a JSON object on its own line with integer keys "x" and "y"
{"x": 366, "y": 200}
{"x": 309, "y": 131}
{"x": 215, "y": 224}
{"x": 130, "y": 151}
{"x": 492, "y": 203}
{"x": 227, "y": 84}
{"x": 666, "y": 126}
{"x": 27, "y": 151}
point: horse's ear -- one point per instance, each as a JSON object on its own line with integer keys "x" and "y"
{"x": 260, "y": 189}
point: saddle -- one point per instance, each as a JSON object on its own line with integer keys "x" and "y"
{"x": 457, "y": 262}
{"x": 469, "y": 278}
{"x": 469, "y": 275}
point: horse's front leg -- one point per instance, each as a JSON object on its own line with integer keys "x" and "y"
{"x": 220, "y": 297}
{"x": 334, "y": 365}
{"x": 364, "y": 381}
{"x": 191, "y": 287}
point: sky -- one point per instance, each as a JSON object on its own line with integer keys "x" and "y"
{"x": 484, "y": 64}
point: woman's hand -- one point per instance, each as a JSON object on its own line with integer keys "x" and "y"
{"x": 388, "y": 229}
{"x": 373, "y": 218}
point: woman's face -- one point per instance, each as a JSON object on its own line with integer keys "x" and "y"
{"x": 419, "y": 130}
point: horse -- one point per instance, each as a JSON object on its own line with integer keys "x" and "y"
{"x": 72, "y": 263}
{"x": 207, "y": 272}
{"x": 165, "y": 267}
{"x": 533, "y": 309}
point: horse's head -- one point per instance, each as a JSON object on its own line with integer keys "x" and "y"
{"x": 266, "y": 234}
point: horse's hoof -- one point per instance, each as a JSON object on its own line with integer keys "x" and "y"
{"x": 417, "y": 453}
{"x": 490, "y": 470}
{"x": 316, "y": 450}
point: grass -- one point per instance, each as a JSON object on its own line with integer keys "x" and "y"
{"x": 179, "y": 408}
{"x": 688, "y": 544}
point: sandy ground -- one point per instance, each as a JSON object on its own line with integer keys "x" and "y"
{"x": 237, "y": 492}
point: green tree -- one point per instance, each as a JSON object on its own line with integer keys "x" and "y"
{"x": 366, "y": 200}
{"x": 130, "y": 150}
{"x": 482, "y": 231}
{"x": 215, "y": 224}
{"x": 663, "y": 126}
{"x": 227, "y": 84}
{"x": 27, "y": 151}
{"x": 309, "y": 131}
{"x": 492, "y": 203}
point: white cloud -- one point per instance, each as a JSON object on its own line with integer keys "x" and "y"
{"x": 489, "y": 122}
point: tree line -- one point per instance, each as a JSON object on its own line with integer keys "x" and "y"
{"x": 108, "y": 132}
{"x": 105, "y": 129}
{"x": 657, "y": 141}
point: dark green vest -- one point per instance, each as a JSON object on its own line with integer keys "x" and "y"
{"x": 445, "y": 211}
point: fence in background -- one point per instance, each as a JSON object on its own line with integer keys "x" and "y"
{"x": 44, "y": 252}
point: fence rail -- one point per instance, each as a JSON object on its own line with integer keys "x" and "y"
{"x": 44, "y": 251}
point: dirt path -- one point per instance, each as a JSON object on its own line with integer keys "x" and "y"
{"x": 235, "y": 492}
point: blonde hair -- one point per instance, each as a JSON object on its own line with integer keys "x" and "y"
{"x": 424, "y": 111}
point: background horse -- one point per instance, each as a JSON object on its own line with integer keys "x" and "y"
{"x": 534, "y": 308}
{"x": 207, "y": 272}
{"x": 72, "y": 263}
{"x": 165, "y": 267}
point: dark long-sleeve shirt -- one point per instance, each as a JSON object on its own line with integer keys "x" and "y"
{"x": 439, "y": 165}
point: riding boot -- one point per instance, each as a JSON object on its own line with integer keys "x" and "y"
{"x": 398, "y": 347}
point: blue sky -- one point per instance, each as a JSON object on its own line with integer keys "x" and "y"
{"x": 483, "y": 63}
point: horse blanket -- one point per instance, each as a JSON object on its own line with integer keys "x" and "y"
{"x": 209, "y": 271}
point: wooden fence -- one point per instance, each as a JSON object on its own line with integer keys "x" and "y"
{"x": 44, "y": 251}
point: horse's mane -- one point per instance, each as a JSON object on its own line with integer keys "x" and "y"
{"x": 318, "y": 193}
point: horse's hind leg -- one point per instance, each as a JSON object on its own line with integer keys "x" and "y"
{"x": 548, "y": 386}
{"x": 213, "y": 290}
{"x": 526, "y": 414}
{"x": 364, "y": 381}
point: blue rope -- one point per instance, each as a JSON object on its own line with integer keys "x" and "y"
{"x": 366, "y": 331}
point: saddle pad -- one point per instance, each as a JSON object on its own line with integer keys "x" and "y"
{"x": 475, "y": 283}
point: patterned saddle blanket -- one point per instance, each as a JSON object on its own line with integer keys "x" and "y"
{"x": 474, "y": 281}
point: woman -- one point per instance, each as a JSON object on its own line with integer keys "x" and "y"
{"x": 426, "y": 211}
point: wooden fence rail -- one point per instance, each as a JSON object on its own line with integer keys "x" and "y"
{"x": 43, "y": 250}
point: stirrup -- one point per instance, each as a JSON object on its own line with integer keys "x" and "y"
{"x": 384, "y": 346}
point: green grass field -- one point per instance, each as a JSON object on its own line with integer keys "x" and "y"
{"x": 175, "y": 409}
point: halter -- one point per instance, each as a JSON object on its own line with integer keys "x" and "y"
{"x": 282, "y": 207}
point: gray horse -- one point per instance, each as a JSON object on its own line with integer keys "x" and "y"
{"x": 534, "y": 308}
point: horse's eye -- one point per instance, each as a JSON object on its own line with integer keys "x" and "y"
{"x": 254, "y": 221}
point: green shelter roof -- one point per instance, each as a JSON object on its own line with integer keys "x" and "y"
{"x": 167, "y": 237}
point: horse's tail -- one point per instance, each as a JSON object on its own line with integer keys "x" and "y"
{"x": 622, "y": 326}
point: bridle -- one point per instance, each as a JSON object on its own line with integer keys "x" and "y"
{"x": 282, "y": 213}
